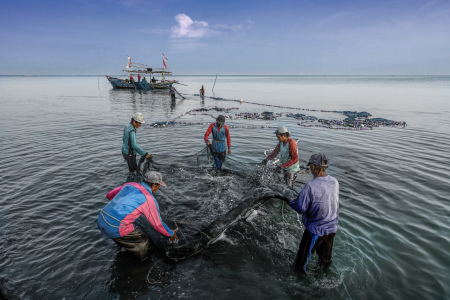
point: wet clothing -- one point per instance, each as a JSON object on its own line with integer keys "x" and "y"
{"x": 219, "y": 158}
{"x": 318, "y": 201}
{"x": 135, "y": 242}
{"x": 130, "y": 147}
{"x": 128, "y": 202}
{"x": 220, "y": 135}
{"x": 311, "y": 243}
{"x": 131, "y": 162}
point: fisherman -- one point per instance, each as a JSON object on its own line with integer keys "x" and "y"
{"x": 287, "y": 148}
{"x": 153, "y": 80}
{"x": 139, "y": 77}
{"x": 202, "y": 91}
{"x": 220, "y": 133}
{"x": 131, "y": 78}
{"x": 130, "y": 146}
{"x": 172, "y": 92}
{"x": 318, "y": 201}
{"x": 128, "y": 202}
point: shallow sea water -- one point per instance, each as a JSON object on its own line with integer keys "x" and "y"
{"x": 60, "y": 155}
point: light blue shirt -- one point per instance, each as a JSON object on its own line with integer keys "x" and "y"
{"x": 318, "y": 201}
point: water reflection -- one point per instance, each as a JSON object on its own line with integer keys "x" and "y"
{"x": 128, "y": 276}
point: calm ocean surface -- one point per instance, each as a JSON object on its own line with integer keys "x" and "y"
{"x": 60, "y": 154}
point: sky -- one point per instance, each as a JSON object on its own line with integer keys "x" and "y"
{"x": 255, "y": 37}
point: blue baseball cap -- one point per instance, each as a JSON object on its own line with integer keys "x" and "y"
{"x": 319, "y": 159}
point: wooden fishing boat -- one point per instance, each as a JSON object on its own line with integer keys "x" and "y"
{"x": 136, "y": 78}
{"x": 118, "y": 83}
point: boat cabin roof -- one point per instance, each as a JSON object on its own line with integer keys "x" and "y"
{"x": 147, "y": 71}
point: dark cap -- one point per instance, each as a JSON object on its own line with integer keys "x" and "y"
{"x": 319, "y": 160}
{"x": 220, "y": 119}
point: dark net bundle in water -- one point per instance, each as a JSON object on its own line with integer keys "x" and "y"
{"x": 204, "y": 202}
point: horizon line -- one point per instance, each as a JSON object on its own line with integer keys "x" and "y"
{"x": 323, "y": 75}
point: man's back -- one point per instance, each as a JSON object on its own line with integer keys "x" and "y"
{"x": 318, "y": 201}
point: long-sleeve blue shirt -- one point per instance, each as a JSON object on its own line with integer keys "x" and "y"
{"x": 318, "y": 201}
{"x": 129, "y": 132}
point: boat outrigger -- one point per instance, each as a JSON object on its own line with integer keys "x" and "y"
{"x": 142, "y": 83}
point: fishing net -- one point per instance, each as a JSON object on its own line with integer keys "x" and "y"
{"x": 353, "y": 120}
{"x": 201, "y": 222}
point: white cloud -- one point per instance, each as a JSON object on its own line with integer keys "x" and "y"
{"x": 188, "y": 28}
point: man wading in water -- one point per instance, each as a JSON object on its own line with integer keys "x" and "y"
{"x": 220, "y": 133}
{"x": 318, "y": 201}
{"x": 287, "y": 148}
{"x": 130, "y": 146}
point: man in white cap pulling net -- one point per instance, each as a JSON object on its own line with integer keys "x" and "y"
{"x": 130, "y": 147}
{"x": 287, "y": 148}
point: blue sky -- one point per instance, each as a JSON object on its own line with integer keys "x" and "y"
{"x": 256, "y": 37}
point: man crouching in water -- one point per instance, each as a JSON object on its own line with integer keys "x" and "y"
{"x": 318, "y": 201}
{"x": 128, "y": 202}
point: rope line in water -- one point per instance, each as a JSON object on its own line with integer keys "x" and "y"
{"x": 175, "y": 221}
{"x": 354, "y": 121}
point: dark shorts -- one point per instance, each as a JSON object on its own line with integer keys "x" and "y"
{"x": 131, "y": 161}
{"x": 219, "y": 158}
{"x": 135, "y": 242}
{"x": 311, "y": 243}
{"x": 221, "y": 155}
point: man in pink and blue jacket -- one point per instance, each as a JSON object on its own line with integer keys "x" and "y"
{"x": 128, "y": 202}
